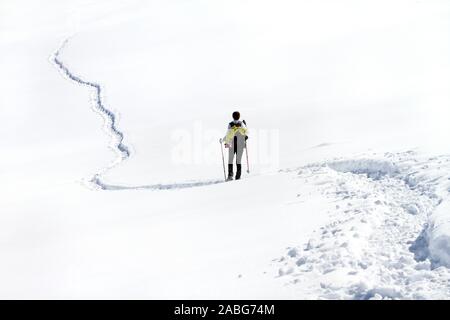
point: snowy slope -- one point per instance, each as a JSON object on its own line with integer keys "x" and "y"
{"x": 111, "y": 171}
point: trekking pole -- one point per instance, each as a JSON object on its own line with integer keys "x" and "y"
{"x": 223, "y": 160}
{"x": 246, "y": 156}
{"x": 246, "y": 150}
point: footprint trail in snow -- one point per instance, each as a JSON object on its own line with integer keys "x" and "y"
{"x": 374, "y": 247}
{"x": 117, "y": 137}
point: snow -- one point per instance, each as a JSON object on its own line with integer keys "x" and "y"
{"x": 111, "y": 170}
{"x": 371, "y": 167}
{"x": 370, "y": 248}
{"x": 439, "y": 235}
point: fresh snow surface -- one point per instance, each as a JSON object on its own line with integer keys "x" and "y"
{"x": 112, "y": 180}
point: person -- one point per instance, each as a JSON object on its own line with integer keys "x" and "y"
{"x": 235, "y": 139}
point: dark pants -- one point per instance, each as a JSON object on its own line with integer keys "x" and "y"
{"x": 238, "y": 150}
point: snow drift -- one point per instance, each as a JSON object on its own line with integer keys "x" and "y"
{"x": 439, "y": 235}
{"x": 373, "y": 168}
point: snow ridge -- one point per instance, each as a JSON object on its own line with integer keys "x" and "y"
{"x": 373, "y": 168}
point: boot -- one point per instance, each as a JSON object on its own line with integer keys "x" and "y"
{"x": 230, "y": 172}
{"x": 238, "y": 171}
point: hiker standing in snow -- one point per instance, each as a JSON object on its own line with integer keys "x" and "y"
{"x": 235, "y": 142}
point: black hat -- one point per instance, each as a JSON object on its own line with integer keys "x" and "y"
{"x": 236, "y": 115}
